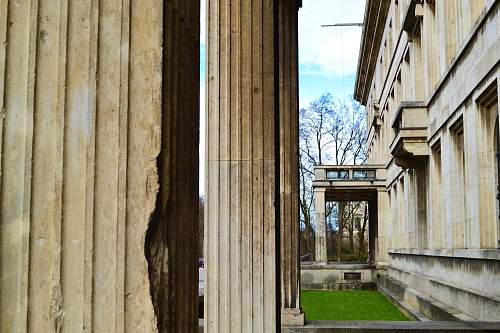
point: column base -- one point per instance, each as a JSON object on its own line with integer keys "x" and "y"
{"x": 292, "y": 317}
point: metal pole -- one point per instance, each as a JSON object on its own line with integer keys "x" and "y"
{"x": 342, "y": 25}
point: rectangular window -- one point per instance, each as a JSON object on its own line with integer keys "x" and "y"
{"x": 437, "y": 221}
{"x": 459, "y": 227}
{"x": 337, "y": 174}
{"x": 363, "y": 174}
{"x": 488, "y": 226}
{"x": 421, "y": 218}
{"x": 352, "y": 276}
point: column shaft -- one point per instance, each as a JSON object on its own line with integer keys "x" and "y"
{"x": 320, "y": 208}
{"x": 81, "y": 97}
{"x": 172, "y": 239}
{"x": 240, "y": 213}
{"x": 289, "y": 176}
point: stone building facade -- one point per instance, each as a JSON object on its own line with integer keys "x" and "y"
{"x": 429, "y": 76}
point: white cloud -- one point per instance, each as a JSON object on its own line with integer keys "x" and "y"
{"x": 333, "y": 50}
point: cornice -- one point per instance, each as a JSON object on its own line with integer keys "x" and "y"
{"x": 376, "y": 12}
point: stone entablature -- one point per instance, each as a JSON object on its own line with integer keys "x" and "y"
{"x": 361, "y": 174}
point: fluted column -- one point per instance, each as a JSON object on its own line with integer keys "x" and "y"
{"x": 98, "y": 141}
{"x": 172, "y": 240}
{"x": 320, "y": 209}
{"x": 80, "y": 97}
{"x": 242, "y": 207}
{"x": 289, "y": 175}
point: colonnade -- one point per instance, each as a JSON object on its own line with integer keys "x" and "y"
{"x": 99, "y": 165}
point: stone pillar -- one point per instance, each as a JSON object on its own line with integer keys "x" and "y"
{"x": 242, "y": 208}
{"x": 289, "y": 173}
{"x": 81, "y": 137}
{"x": 372, "y": 229}
{"x": 172, "y": 243}
{"x": 320, "y": 209}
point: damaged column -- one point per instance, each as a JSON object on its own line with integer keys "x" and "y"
{"x": 289, "y": 175}
{"x": 172, "y": 240}
{"x": 81, "y": 102}
{"x": 84, "y": 130}
{"x": 242, "y": 207}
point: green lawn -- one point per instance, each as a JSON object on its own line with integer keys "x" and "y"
{"x": 348, "y": 305}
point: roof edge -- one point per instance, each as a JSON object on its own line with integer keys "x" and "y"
{"x": 376, "y": 12}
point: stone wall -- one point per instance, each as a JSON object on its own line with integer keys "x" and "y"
{"x": 334, "y": 276}
{"x": 468, "y": 281}
{"x": 441, "y": 207}
{"x": 81, "y": 142}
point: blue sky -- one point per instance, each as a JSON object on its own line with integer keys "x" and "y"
{"x": 327, "y": 56}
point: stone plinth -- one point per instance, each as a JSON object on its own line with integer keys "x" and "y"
{"x": 292, "y": 317}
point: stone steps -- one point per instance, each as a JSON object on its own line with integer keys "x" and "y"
{"x": 417, "y": 305}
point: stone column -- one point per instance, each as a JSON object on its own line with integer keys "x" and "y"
{"x": 77, "y": 165}
{"x": 372, "y": 229}
{"x": 320, "y": 208}
{"x": 84, "y": 125}
{"x": 289, "y": 173}
{"x": 172, "y": 243}
{"x": 241, "y": 208}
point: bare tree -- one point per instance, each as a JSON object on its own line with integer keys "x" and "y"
{"x": 361, "y": 229}
{"x": 331, "y": 132}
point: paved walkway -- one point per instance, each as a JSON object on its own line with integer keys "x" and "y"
{"x": 325, "y": 326}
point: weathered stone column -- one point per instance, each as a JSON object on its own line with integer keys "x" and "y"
{"x": 88, "y": 141}
{"x": 242, "y": 206}
{"x": 172, "y": 239}
{"x": 320, "y": 208}
{"x": 289, "y": 174}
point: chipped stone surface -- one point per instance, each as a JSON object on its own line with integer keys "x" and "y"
{"x": 81, "y": 92}
{"x": 172, "y": 237}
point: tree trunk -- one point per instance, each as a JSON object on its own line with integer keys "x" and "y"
{"x": 341, "y": 229}
{"x": 350, "y": 227}
{"x": 361, "y": 233}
